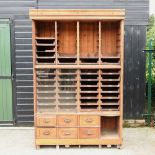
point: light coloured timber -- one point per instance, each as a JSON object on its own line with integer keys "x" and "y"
{"x": 95, "y": 38}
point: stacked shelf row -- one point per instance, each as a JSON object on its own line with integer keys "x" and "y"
{"x": 57, "y": 89}
{"x": 77, "y": 42}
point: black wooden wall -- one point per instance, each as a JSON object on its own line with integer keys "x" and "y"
{"x": 135, "y": 36}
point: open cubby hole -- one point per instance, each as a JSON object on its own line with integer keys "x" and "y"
{"x": 45, "y": 42}
{"x": 89, "y": 42}
{"x": 110, "y": 104}
{"x": 110, "y": 127}
{"x": 46, "y": 89}
{"x": 42, "y": 108}
{"x": 88, "y": 107}
{"x": 67, "y": 108}
{"x": 67, "y": 94}
{"x": 110, "y": 42}
{"x": 45, "y": 29}
{"x": 67, "y": 42}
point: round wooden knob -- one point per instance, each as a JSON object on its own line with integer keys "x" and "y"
{"x": 89, "y": 120}
{"x": 67, "y": 133}
{"x": 46, "y": 132}
{"x": 67, "y": 120}
{"x": 46, "y": 121}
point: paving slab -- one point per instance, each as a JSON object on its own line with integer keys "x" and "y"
{"x": 20, "y": 141}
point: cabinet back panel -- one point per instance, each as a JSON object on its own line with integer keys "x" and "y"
{"x": 45, "y": 29}
{"x": 109, "y": 39}
{"x": 67, "y": 33}
{"x": 89, "y": 39}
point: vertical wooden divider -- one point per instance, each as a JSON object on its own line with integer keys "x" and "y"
{"x": 56, "y": 62}
{"x": 78, "y": 70}
{"x": 34, "y": 66}
{"x": 34, "y": 73}
{"x": 121, "y": 76}
{"x": 99, "y": 55}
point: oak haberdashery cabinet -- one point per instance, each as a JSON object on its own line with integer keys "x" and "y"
{"x": 78, "y": 76}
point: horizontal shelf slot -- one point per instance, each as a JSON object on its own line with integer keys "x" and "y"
{"x": 89, "y": 71}
{"x": 110, "y": 100}
{"x": 89, "y": 80}
{"x": 67, "y": 86}
{"x": 45, "y": 95}
{"x": 107, "y": 104}
{"x": 110, "y": 86}
{"x": 67, "y": 96}
{"x": 89, "y": 97}
{"x": 88, "y": 108}
{"x": 109, "y": 92}
{"x": 67, "y": 80}
{"x": 110, "y": 97}
{"x": 46, "y": 80}
{"x": 110, "y": 83}
{"x": 90, "y": 86}
{"x": 67, "y": 60}
{"x": 44, "y": 92}
{"x": 110, "y": 107}
{"x": 89, "y": 104}
{"x": 89, "y": 60}
{"x": 45, "y": 48}
{"x": 45, "y": 38}
{"x": 88, "y": 89}
{"x": 110, "y": 80}
{"x": 47, "y": 86}
{"x": 110, "y": 76}
{"x": 89, "y": 83}
{"x": 67, "y": 89}
{"x": 89, "y": 92}
{"x": 44, "y": 43}
{"x": 51, "y": 88}
{"x": 110, "y": 60}
{"x": 45, "y": 98}
{"x": 47, "y": 104}
{"x": 89, "y": 100}
{"x": 46, "y": 57}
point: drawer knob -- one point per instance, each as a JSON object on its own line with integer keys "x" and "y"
{"x": 89, "y": 120}
{"x": 67, "y": 120}
{"x": 89, "y": 133}
{"x": 67, "y": 133}
{"x": 46, "y": 133}
{"x": 46, "y": 121}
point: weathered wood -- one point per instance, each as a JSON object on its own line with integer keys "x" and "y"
{"x": 79, "y": 95}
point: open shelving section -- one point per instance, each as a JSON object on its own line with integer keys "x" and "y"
{"x": 78, "y": 76}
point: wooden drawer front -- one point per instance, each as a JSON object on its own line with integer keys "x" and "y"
{"x": 46, "y": 133}
{"x": 89, "y": 133}
{"x": 67, "y": 133}
{"x": 89, "y": 120}
{"x": 67, "y": 120}
{"x": 46, "y": 121}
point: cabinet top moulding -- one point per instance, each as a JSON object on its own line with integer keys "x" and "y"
{"x": 77, "y": 14}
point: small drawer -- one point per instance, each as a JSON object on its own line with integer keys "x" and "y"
{"x": 67, "y": 133}
{"x": 67, "y": 120}
{"x": 87, "y": 133}
{"x": 89, "y": 120}
{"x": 46, "y": 121}
{"x": 46, "y": 133}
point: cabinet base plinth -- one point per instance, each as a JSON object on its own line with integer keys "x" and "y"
{"x": 68, "y": 142}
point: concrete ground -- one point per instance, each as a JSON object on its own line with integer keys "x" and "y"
{"x": 20, "y": 141}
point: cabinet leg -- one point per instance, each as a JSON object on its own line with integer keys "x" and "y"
{"x": 119, "y": 146}
{"x": 37, "y": 147}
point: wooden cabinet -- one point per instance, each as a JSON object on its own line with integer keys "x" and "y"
{"x": 78, "y": 76}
